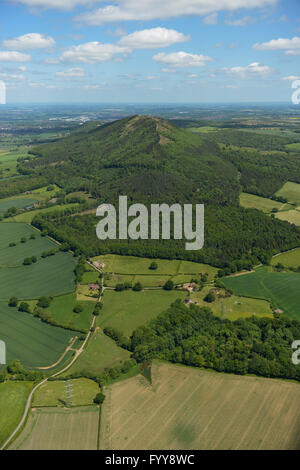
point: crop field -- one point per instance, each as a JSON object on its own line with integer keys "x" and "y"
{"x": 291, "y": 216}
{"x": 290, "y": 191}
{"x": 233, "y": 307}
{"x": 49, "y": 276}
{"x": 8, "y": 161}
{"x": 250, "y": 201}
{"x": 280, "y": 288}
{"x": 61, "y": 311}
{"x": 13, "y": 396}
{"x": 60, "y": 429}
{"x": 100, "y": 352}
{"x": 188, "y": 408}
{"x": 293, "y": 147}
{"x": 33, "y": 342}
{"x": 289, "y": 259}
{"x": 18, "y": 203}
{"x": 14, "y": 256}
{"x": 127, "y": 310}
{"x": 54, "y": 393}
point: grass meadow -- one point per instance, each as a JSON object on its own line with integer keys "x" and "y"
{"x": 251, "y": 201}
{"x": 53, "y": 393}
{"x": 282, "y": 289}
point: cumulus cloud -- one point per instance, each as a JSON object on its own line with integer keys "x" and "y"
{"x": 251, "y": 70}
{"x": 181, "y": 59}
{"x": 290, "y": 46}
{"x": 93, "y": 52}
{"x": 126, "y": 10}
{"x": 152, "y": 38}
{"x": 291, "y": 78}
{"x": 244, "y": 21}
{"x": 76, "y": 72}
{"x": 13, "y": 56}
{"x": 29, "y": 42}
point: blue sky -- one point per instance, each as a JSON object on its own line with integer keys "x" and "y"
{"x": 149, "y": 50}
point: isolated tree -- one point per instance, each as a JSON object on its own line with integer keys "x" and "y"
{"x": 210, "y": 297}
{"x": 153, "y": 266}
{"x": 44, "y": 302}
{"x": 169, "y": 285}
{"x": 99, "y": 398}
{"x": 24, "y": 307}
{"x": 78, "y": 308}
{"x": 13, "y": 302}
{"x": 137, "y": 287}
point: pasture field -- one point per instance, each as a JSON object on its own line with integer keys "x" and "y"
{"x": 61, "y": 311}
{"x": 8, "y": 161}
{"x": 289, "y": 259}
{"x": 127, "y": 310}
{"x": 250, "y": 201}
{"x": 290, "y": 191}
{"x": 282, "y": 289}
{"x": 17, "y": 202}
{"x": 233, "y": 307}
{"x": 33, "y": 342}
{"x": 188, "y": 408}
{"x": 100, "y": 352}
{"x": 49, "y": 276}
{"x": 293, "y": 147}
{"x": 291, "y": 216}
{"x": 53, "y": 393}
{"x": 28, "y": 216}
{"x": 13, "y": 396}
{"x": 119, "y": 266}
{"x": 60, "y": 429}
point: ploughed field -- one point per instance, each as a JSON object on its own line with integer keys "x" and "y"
{"x": 188, "y": 408}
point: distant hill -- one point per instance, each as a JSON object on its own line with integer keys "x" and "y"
{"x": 143, "y": 157}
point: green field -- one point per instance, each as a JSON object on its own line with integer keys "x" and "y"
{"x": 127, "y": 310}
{"x": 291, "y": 192}
{"x": 187, "y": 408}
{"x": 28, "y": 216}
{"x": 100, "y": 352}
{"x": 13, "y": 396}
{"x": 14, "y": 256}
{"x": 294, "y": 147}
{"x": 290, "y": 259}
{"x": 18, "y": 203}
{"x": 282, "y": 289}
{"x": 292, "y": 216}
{"x": 233, "y": 307}
{"x": 134, "y": 269}
{"x": 250, "y": 201}
{"x": 61, "y": 311}
{"x": 33, "y": 342}
{"x": 54, "y": 393}
{"x": 60, "y": 429}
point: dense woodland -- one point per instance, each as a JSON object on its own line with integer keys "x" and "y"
{"x": 194, "y": 336}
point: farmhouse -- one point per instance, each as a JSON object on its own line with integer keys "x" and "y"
{"x": 94, "y": 286}
{"x": 190, "y": 287}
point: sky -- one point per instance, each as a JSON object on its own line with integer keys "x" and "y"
{"x": 149, "y": 51}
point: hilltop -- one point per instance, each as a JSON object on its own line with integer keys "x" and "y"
{"x": 142, "y": 157}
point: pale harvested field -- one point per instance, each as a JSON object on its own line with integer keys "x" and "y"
{"x": 60, "y": 429}
{"x": 188, "y": 408}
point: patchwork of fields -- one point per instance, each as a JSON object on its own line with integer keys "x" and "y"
{"x": 280, "y": 288}
{"x": 60, "y": 429}
{"x": 187, "y": 408}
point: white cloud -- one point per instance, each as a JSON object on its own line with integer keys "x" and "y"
{"x": 55, "y": 4}
{"x": 152, "y": 38}
{"x": 51, "y": 61}
{"x": 22, "y": 68}
{"x": 93, "y": 52}
{"x": 291, "y": 78}
{"x": 245, "y": 21}
{"x": 76, "y": 72}
{"x": 7, "y": 76}
{"x": 126, "y": 10}
{"x": 93, "y": 87}
{"x": 181, "y": 59}
{"x": 211, "y": 19}
{"x": 13, "y": 56}
{"x": 290, "y": 46}
{"x": 29, "y": 42}
{"x": 251, "y": 70}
